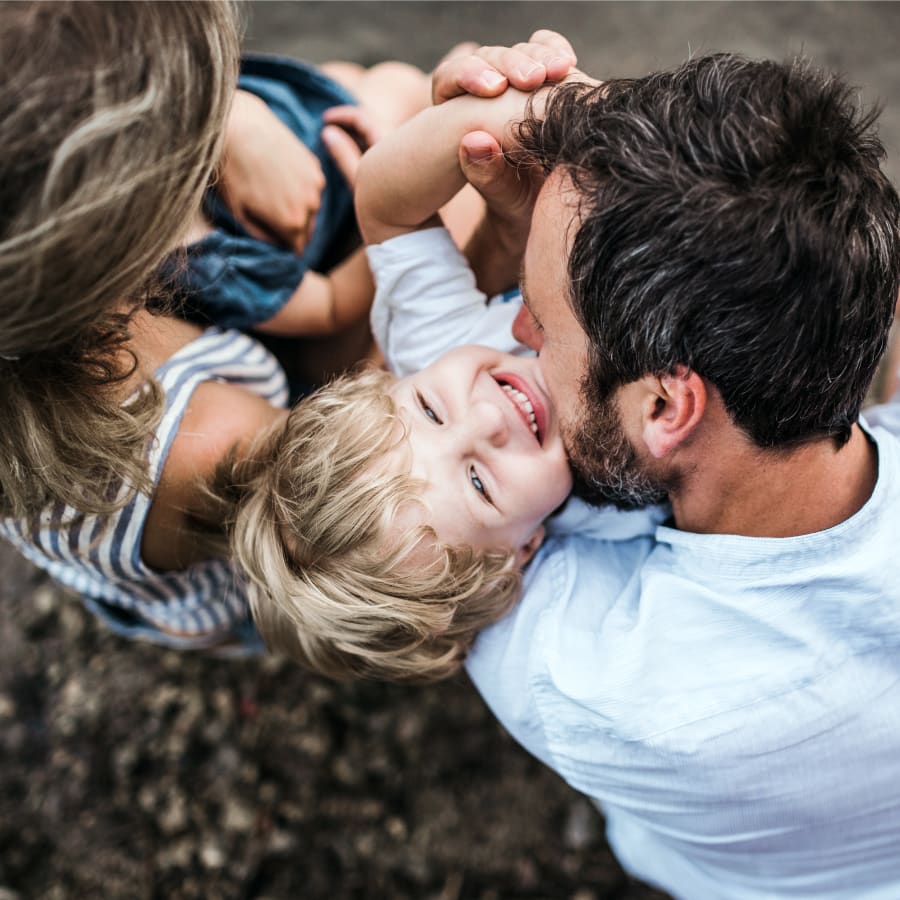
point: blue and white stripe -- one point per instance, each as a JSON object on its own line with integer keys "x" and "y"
{"x": 100, "y": 556}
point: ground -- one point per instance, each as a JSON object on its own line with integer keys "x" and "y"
{"x": 131, "y": 772}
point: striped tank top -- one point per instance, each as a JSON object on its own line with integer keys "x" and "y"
{"x": 100, "y": 556}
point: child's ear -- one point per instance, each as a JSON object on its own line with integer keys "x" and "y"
{"x": 530, "y": 547}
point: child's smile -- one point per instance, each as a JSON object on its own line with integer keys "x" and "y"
{"x": 527, "y": 404}
{"x": 482, "y": 434}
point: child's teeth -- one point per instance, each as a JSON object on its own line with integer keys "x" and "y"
{"x": 523, "y": 401}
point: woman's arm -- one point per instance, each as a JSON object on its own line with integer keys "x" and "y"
{"x": 219, "y": 417}
{"x": 268, "y": 177}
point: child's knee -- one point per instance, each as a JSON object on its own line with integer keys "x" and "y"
{"x": 394, "y": 91}
{"x": 348, "y": 75}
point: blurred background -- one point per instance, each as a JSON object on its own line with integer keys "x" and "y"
{"x": 127, "y": 771}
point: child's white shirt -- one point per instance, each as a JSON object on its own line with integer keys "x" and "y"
{"x": 427, "y": 302}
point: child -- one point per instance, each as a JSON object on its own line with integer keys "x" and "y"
{"x": 389, "y": 519}
{"x": 114, "y": 417}
{"x": 238, "y": 275}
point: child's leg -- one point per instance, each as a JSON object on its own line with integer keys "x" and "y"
{"x": 391, "y": 92}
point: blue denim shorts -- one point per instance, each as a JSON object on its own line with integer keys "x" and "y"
{"x": 235, "y": 280}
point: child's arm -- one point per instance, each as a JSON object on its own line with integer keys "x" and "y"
{"x": 325, "y": 304}
{"x": 427, "y": 300}
{"x": 408, "y": 175}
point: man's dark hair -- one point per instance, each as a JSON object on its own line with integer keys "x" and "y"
{"x": 733, "y": 219}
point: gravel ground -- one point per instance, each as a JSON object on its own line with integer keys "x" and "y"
{"x": 134, "y": 772}
{"x": 131, "y": 772}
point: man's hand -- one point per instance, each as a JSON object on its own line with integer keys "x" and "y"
{"x": 547, "y": 56}
{"x": 509, "y": 191}
{"x": 496, "y": 248}
{"x": 270, "y": 180}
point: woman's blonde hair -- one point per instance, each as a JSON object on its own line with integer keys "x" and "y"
{"x": 111, "y": 117}
{"x": 336, "y": 581}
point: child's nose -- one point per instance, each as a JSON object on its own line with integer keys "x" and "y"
{"x": 489, "y": 423}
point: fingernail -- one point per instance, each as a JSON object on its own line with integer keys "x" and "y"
{"x": 492, "y": 78}
{"x": 478, "y": 154}
{"x": 526, "y": 70}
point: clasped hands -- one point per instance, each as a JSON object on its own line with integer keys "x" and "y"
{"x": 496, "y": 248}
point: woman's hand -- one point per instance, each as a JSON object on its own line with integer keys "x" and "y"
{"x": 270, "y": 180}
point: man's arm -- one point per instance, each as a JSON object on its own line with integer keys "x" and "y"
{"x": 496, "y": 247}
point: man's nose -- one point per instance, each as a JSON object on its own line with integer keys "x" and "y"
{"x": 526, "y": 331}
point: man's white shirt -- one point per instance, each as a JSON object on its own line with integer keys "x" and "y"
{"x": 731, "y": 703}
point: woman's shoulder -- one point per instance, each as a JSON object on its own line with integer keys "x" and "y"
{"x": 154, "y": 339}
{"x": 219, "y": 417}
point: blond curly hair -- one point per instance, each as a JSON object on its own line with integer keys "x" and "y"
{"x": 336, "y": 580}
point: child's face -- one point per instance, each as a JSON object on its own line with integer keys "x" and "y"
{"x": 484, "y": 437}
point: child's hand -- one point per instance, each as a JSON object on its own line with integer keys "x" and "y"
{"x": 270, "y": 180}
{"x": 547, "y": 56}
{"x": 348, "y": 133}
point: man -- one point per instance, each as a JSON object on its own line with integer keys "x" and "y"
{"x": 710, "y": 278}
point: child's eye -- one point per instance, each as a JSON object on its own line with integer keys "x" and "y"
{"x": 478, "y": 484}
{"x": 428, "y": 410}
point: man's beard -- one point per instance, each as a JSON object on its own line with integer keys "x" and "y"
{"x": 605, "y": 466}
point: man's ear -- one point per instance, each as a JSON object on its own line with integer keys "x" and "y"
{"x": 530, "y": 547}
{"x": 673, "y": 407}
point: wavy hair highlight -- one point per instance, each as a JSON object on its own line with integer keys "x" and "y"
{"x": 111, "y": 118}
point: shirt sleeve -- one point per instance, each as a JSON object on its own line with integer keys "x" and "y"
{"x": 427, "y": 302}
